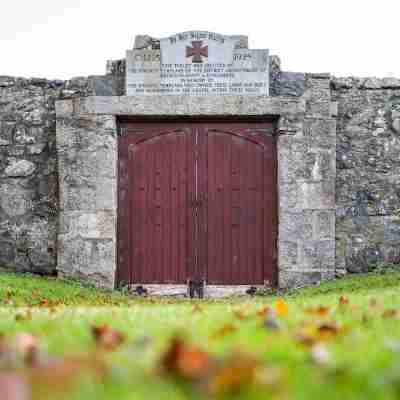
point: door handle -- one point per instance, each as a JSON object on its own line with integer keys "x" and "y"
{"x": 196, "y": 203}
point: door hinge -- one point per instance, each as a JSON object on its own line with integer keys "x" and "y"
{"x": 196, "y": 288}
{"x": 141, "y": 290}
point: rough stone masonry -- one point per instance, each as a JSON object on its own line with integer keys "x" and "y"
{"x": 339, "y": 168}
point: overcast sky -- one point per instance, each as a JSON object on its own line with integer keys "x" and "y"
{"x": 66, "y": 38}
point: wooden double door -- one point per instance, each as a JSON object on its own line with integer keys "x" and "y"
{"x": 197, "y": 200}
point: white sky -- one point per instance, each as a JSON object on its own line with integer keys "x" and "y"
{"x": 66, "y": 38}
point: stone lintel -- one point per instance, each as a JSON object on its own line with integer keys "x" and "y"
{"x": 182, "y": 106}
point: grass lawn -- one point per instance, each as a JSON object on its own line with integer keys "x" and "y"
{"x": 64, "y": 340}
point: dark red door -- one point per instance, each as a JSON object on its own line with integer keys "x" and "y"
{"x": 197, "y": 201}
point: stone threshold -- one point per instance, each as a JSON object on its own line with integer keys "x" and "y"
{"x": 210, "y": 291}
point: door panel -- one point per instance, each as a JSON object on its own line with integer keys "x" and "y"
{"x": 156, "y": 189}
{"x": 197, "y": 200}
{"x": 241, "y": 202}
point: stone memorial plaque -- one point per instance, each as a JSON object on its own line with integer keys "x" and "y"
{"x": 197, "y": 63}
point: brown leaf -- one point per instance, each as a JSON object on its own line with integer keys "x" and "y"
{"x": 316, "y": 332}
{"x": 107, "y": 337}
{"x": 328, "y": 330}
{"x": 269, "y": 376}
{"x": 265, "y": 311}
{"x": 243, "y": 312}
{"x": 320, "y": 311}
{"x": 186, "y": 361}
{"x": 373, "y": 302}
{"x": 196, "y": 309}
{"x": 226, "y": 329}
{"x": 343, "y": 300}
{"x": 13, "y": 387}
{"x": 391, "y": 313}
{"x": 365, "y": 319}
{"x": 234, "y": 373}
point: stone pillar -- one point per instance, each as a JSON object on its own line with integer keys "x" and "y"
{"x": 87, "y": 159}
{"x": 307, "y": 170}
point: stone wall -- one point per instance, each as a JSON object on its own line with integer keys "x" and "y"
{"x": 28, "y": 165}
{"x": 367, "y": 126}
{"x": 368, "y": 172}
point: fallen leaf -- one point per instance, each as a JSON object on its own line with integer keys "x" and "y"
{"x": 243, "y": 312}
{"x": 226, "y": 329}
{"x": 196, "y": 309}
{"x": 185, "y": 360}
{"x": 365, "y": 319}
{"x": 343, "y": 300}
{"x": 107, "y": 337}
{"x": 320, "y": 311}
{"x": 269, "y": 376}
{"x": 281, "y": 307}
{"x": 312, "y": 333}
{"x": 265, "y": 311}
{"x": 373, "y": 302}
{"x": 328, "y": 330}
{"x": 235, "y": 373}
{"x": 391, "y": 313}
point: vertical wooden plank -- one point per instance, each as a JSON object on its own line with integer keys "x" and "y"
{"x": 220, "y": 231}
{"x": 175, "y": 155}
{"x": 158, "y": 212}
{"x": 259, "y": 234}
{"x": 144, "y": 150}
{"x": 236, "y": 173}
{"x": 182, "y": 206}
{"x": 148, "y": 273}
{"x": 191, "y": 199}
{"x": 202, "y": 163}
{"x": 242, "y": 213}
{"x": 211, "y": 207}
{"x": 226, "y": 204}
{"x": 138, "y": 211}
{"x": 252, "y": 212}
{"x": 165, "y": 191}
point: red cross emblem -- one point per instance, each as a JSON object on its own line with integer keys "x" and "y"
{"x": 197, "y": 51}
